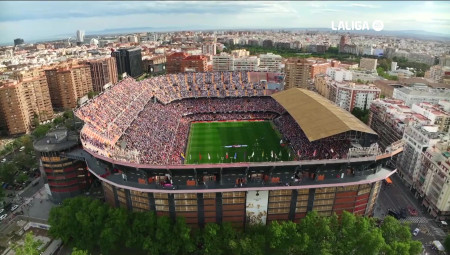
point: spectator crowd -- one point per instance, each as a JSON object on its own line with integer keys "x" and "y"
{"x": 148, "y": 121}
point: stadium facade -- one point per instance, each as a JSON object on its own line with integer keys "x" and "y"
{"x": 64, "y": 177}
{"x": 325, "y": 179}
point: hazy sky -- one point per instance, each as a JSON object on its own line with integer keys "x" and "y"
{"x": 43, "y": 20}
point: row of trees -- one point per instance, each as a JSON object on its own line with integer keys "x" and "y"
{"x": 93, "y": 226}
{"x": 332, "y": 52}
{"x": 419, "y": 68}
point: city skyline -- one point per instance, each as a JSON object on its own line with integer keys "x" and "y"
{"x": 37, "y": 20}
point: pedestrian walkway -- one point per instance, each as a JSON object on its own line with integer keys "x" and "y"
{"x": 437, "y": 231}
{"x": 415, "y": 219}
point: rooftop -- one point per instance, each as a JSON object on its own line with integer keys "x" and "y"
{"x": 56, "y": 140}
{"x": 317, "y": 116}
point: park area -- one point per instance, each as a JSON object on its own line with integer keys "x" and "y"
{"x": 235, "y": 141}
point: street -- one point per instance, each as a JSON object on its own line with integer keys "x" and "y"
{"x": 397, "y": 196}
{"x": 33, "y": 202}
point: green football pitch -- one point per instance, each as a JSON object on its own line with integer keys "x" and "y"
{"x": 248, "y": 141}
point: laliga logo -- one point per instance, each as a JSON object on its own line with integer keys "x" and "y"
{"x": 377, "y": 25}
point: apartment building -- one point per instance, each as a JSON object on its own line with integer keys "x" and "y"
{"x": 318, "y": 67}
{"x": 223, "y": 62}
{"x": 24, "y": 99}
{"x": 440, "y": 73}
{"x": 419, "y": 93}
{"x": 209, "y": 48}
{"x": 246, "y": 63}
{"x": 368, "y": 63}
{"x": 129, "y": 61}
{"x": 154, "y": 64}
{"x": 173, "y": 64}
{"x": 13, "y": 107}
{"x": 433, "y": 179}
{"x": 389, "y": 117}
{"x": 103, "y": 71}
{"x": 297, "y": 73}
{"x": 270, "y": 62}
{"x": 240, "y": 53}
{"x": 444, "y": 60}
{"x": 417, "y": 139}
{"x": 346, "y": 95}
{"x": 195, "y": 63}
{"x": 339, "y": 74}
{"x": 435, "y": 113}
{"x": 68, "y": 83}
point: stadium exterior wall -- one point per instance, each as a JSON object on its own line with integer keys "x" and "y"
{"x": 267, "y": 192}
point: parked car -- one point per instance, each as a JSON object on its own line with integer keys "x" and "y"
{"x": 412, "y": 211}
{"x": 4, "y": 160}
{"x": 18, "y": 213}
{"x": 393, "y": 214}
{"x": 3, "y": 216}
{"x": 403, "y": 213}
{"x": 416, "y": 232}
{"x": 14, "y": 207}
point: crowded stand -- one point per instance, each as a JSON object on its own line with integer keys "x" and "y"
{"x": 148, "y": 121}
{"x": 330, "y": 148}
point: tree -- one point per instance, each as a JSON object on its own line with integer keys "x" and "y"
{"x": 30, "y": 246}
{"x": 447, "y": 244}
{"x": 27, "y": 142}
{"x": 58, "y": 120}
{"x": 35, "y": 120}
{"x": 75, "y": 251}
{"x": 398, "y": 238}
{"x": 68, "y": 114}
{"x": 79, "y": 222}
{"x": 25, "y": 161}
{"x": 92, "y": 94}
{"x": 182, "y": 237}
{"x": 357, "y": 235}
{"x": 7, "y": 172}
{"x": 318, "y": 234}
{"x": 41, "y": 130}
{"x": 91, "y": 226}
{"x": 2, "y": 194}
{"x": 163, "y": 237}
{"x": 385, "y": 63}
{"x": 285, "y": 238}
{"x": 361, "y": 114}
{"x": 114, "y": 231}
{"x": 217, "y": 238}
{"x": 142, "y": 230}
{"x": 22, "y": 178}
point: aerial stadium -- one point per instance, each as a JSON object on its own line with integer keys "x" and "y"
{"x": 227, "y": 146}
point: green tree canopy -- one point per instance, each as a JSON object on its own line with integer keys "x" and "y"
{"x": 76, "y": 251}
{"x": 93, "y": 226}
{"x": 29, "y": 247}
{"x": 447, "y": 244}
{"x": 7, "y": 172}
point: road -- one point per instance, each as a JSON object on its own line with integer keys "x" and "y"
{"x": 33, "y": 202}
{"x": 397, "y": 196}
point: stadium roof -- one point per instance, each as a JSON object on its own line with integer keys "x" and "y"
{"x": 317, "y": 116}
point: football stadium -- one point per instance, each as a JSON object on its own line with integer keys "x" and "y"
{"x": 228, "y": 146}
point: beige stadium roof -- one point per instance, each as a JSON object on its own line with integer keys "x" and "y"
{"x": 317, "y": 116}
